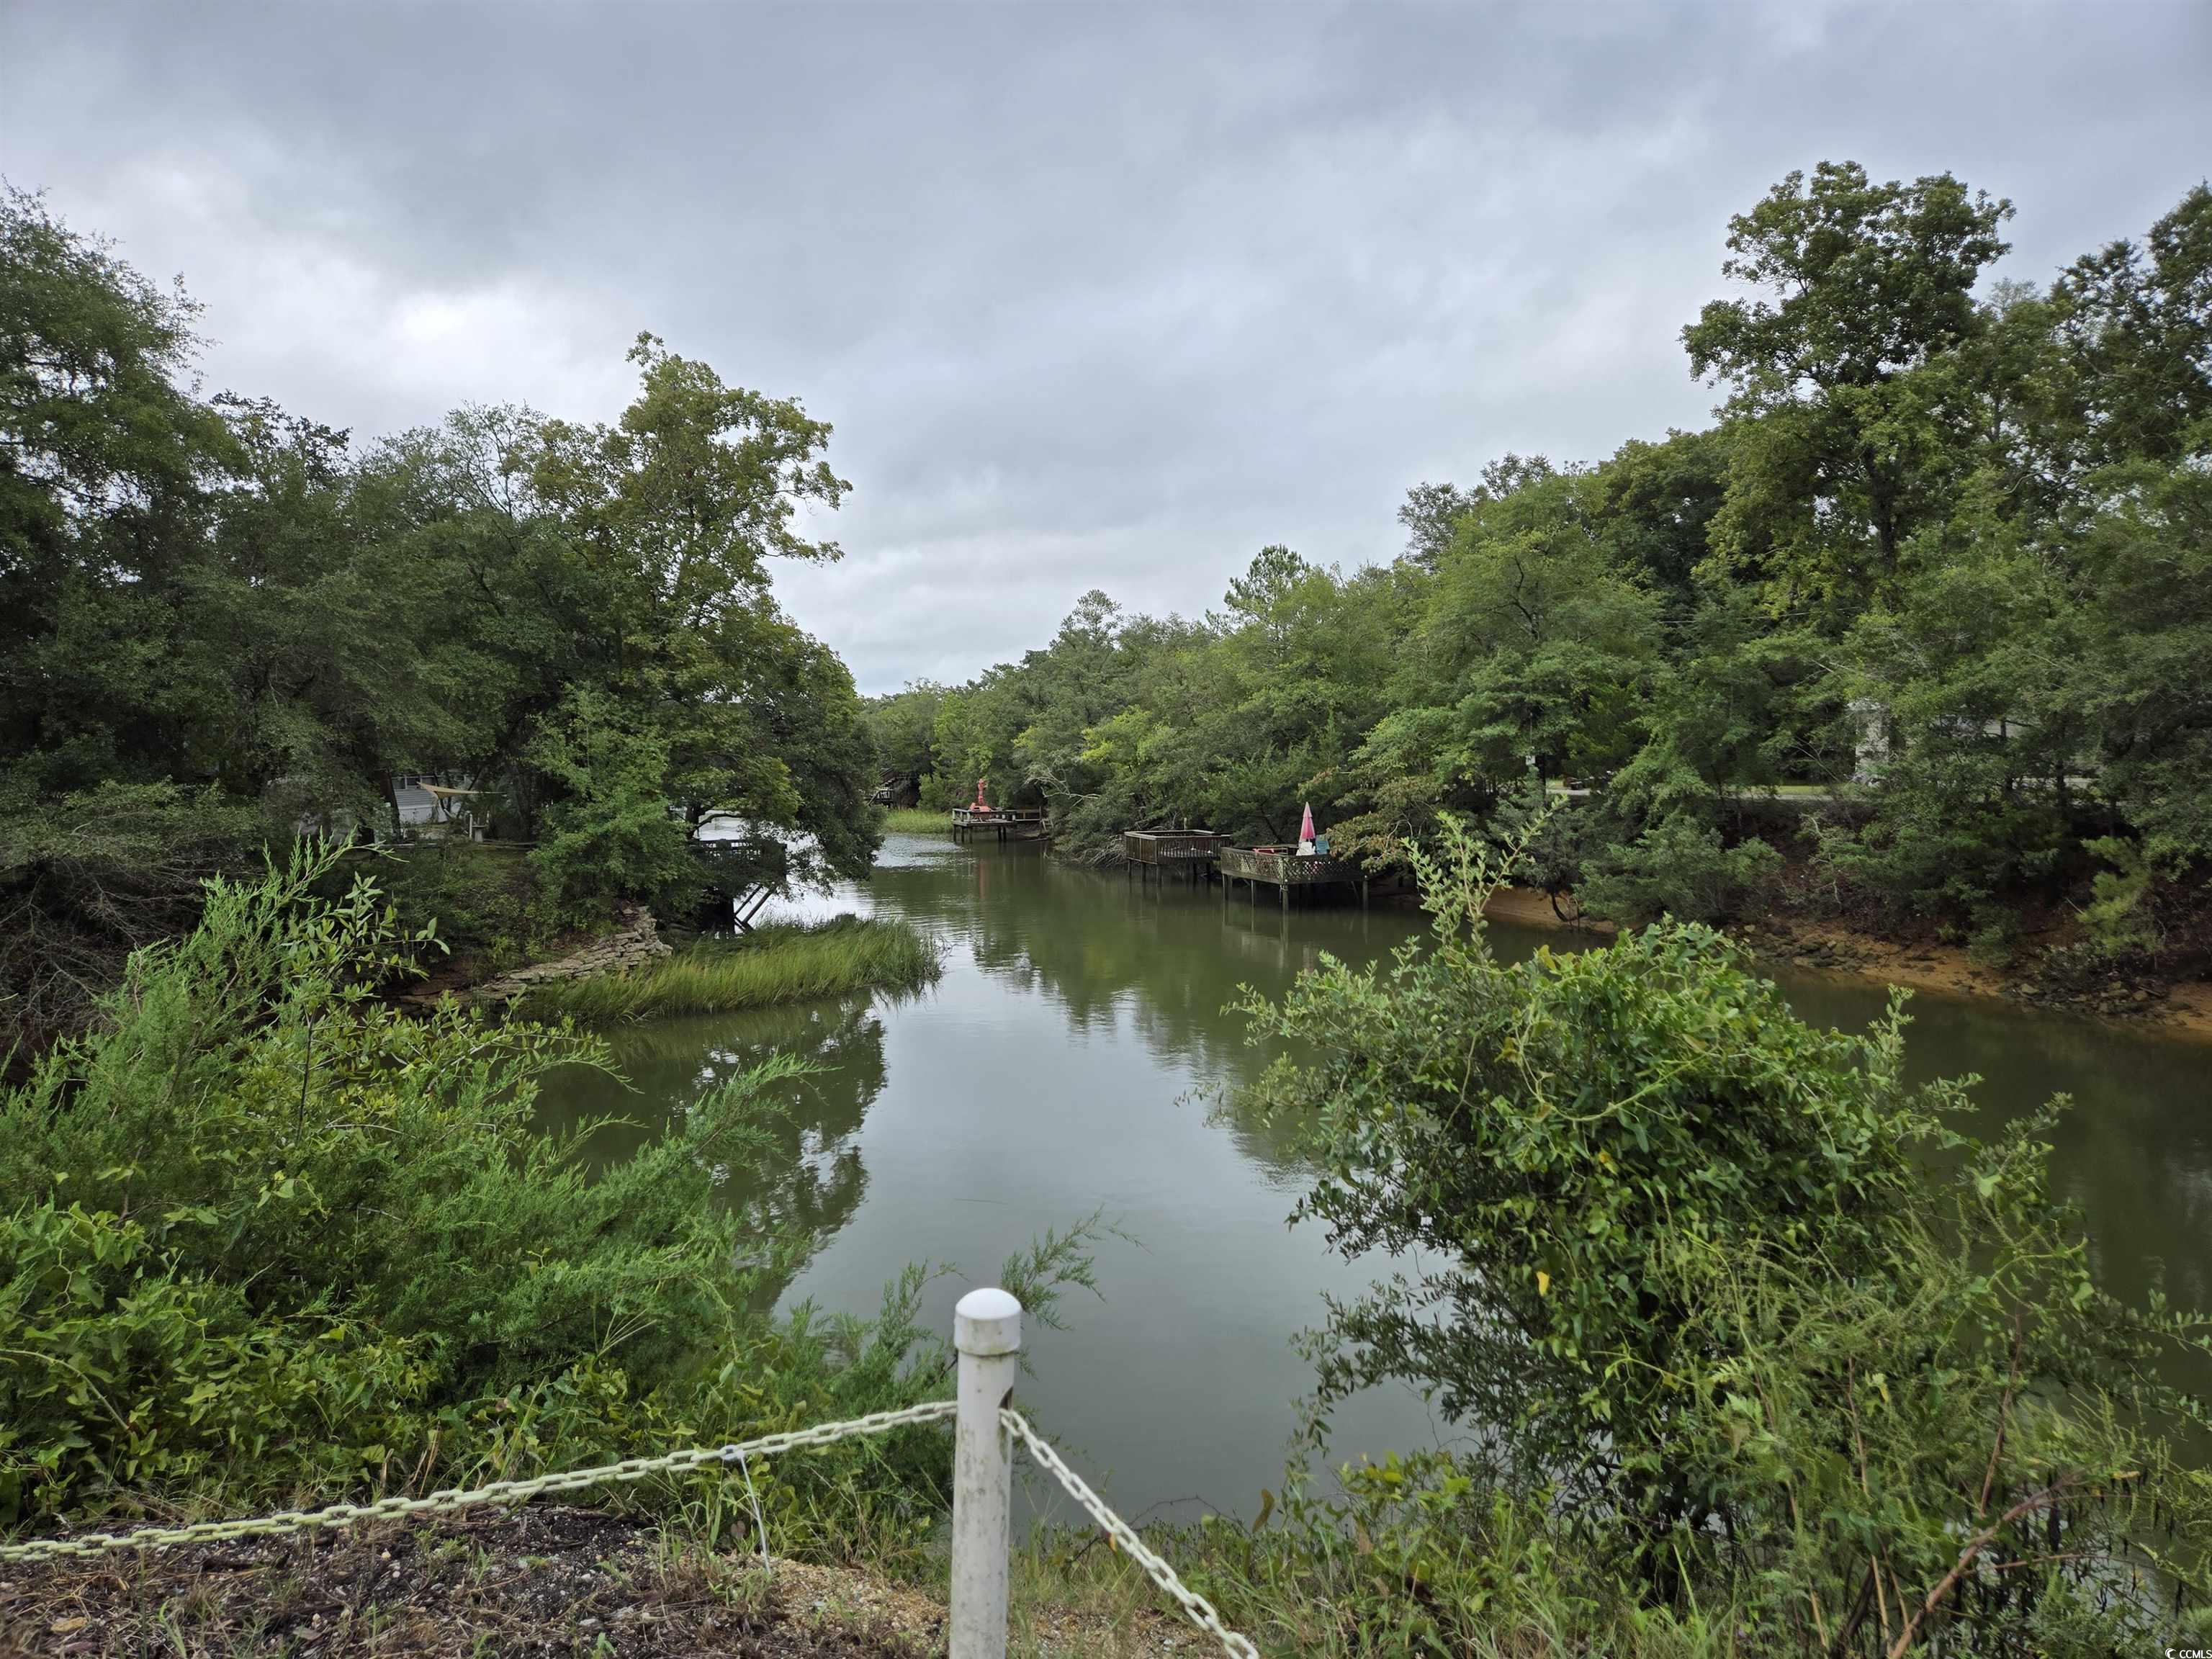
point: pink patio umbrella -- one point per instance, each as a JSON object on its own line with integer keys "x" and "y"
{"x": 1306, "y": 830}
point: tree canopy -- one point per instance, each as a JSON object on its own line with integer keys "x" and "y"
{"x": 213, "y": 597}
{"x": 1937, "y": 569}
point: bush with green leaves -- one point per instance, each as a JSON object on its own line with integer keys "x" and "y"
{"x": 87, "y": 877}
{"x": 1679, "y": 867}
{"x": 1729, "y": 1296}
{"x": 268, "y": 1234}
{"x": 485, "y": 902}
{"x": 613, "y": 835}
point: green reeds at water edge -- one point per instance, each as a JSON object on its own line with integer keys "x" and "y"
{"x": 917, "y": 821}
{"x": 781, "y": 963}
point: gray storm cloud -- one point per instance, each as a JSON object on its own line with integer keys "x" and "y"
{"x": 1095, "y": 298}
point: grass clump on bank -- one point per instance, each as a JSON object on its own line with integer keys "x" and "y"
{"x": 782, "y": 962}
{"x": 917, "y": 821}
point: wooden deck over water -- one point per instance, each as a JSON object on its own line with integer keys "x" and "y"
{"x": 1158, "y": 851}
{"x": 1171, "y": 846}
{"x": 1263, "y": 866}
{"x": 1005, "y": 822}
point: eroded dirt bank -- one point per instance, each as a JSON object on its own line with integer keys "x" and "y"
{"x": 2184, "y": 1009}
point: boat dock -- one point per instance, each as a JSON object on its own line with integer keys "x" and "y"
{"x": 1283, "y": 869}
{"x": 1162, "y": 850}
{"x": 1007, "y": 823}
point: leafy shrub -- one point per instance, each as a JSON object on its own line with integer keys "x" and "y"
{"x": 1930, "y": 854}
{"x": 86, "y": 878}
{"x": 2121, "y": 919}
{"x": 1679, "y": 867}
{"x": 268, "y": 1234}
{"x": 1995, "y": 943}
{"x": 482, "y": 900}
{"x": 612, "y": 836}
{"x": 1692, "y": 1268}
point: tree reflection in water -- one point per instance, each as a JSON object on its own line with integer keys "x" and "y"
{"x": 808, "y": 1180}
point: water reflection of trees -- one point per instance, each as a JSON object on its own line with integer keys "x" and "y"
{"x": 2136, "y": 1151}
{"x": 806, "y": 1179}
{"x": 1104, "y": 949}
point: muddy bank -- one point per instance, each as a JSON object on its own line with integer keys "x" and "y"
{"x": 2182, "y": 1009}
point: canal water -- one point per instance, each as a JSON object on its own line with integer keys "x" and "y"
{"x": 1066, "y": 1064}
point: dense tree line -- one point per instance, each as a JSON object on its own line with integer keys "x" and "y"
{"x": 221, "y": 623}
{"x": 1950, "y": 535}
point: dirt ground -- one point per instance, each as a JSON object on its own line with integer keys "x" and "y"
{"x": 536, "y": 1581}
{"x": 540, "y": 1582}
{"x": 2180, "y": 1009}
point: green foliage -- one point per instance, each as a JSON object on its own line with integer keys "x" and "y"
{"x": 1423, "y": 1555}
{"x": 102, "y": 491}
{"x": 903, "y": 727}
{"x": 2118, "y": 917}
{"x": 1729, "y": 1298}
{"x": 484, "y": 902}
{"x": 772, "y": 964}
{"x": 612, "y": 835}
{"x": 575, "y": 619}
{"x": 86, "y": 878}
{"x": 1680, "y": 868}
{"x": 268, "y": 1234}
{"x": 1844, "y": 450}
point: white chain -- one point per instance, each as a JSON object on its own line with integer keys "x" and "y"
{"x": 1200, "y": 1609}
{"x": 499, "y": 1492}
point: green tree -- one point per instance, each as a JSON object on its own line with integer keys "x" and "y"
{"x": 1836, "y": 453}
{"x": 106, "y": 468}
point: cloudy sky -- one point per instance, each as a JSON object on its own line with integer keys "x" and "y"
{"x": 1095, "y": 297}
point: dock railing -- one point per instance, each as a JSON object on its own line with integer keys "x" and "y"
{"x": 1268, "y": 867}
{"x": 987, "y": 1336}
{"x": 1171, "y": 846}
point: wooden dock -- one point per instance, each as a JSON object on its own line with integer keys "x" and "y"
{"x": 1159, "y": 851}
{"x": 1007, "y": 823}
{"x": 1268, "y": 867}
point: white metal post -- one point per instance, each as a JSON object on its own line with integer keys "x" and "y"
{"x": 986, "y": 1331}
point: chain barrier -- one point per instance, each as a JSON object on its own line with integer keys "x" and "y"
{"x": 499, "y": 1492}
{"x": 1125, "y": 1537}
{"x": 1199, "y": 1610}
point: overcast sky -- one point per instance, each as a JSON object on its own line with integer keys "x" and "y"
{"x": 1095, "y": 297}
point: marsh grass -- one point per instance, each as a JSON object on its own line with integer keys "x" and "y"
{"x": 917, "y": 821}
{"x": 784, "y": 963}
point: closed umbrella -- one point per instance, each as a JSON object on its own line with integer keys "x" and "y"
{"x": 1305, "y": 830}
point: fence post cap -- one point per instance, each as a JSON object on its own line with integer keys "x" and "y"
{"x": 986, "y": 1322}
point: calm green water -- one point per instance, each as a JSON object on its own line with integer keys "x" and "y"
{"x": 1053, "y": 1072}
